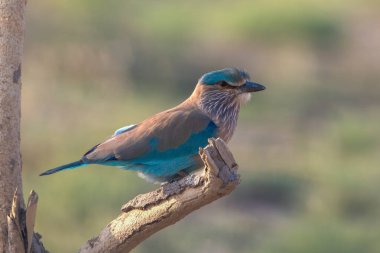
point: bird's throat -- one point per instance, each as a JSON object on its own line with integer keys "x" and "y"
{"x": 223, "y": 110}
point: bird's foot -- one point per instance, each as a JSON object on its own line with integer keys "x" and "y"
{"x": 179, "y": 175}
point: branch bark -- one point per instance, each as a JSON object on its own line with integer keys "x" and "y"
{"x": 150, "y": 212}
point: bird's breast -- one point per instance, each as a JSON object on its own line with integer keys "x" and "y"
{"x": 226, "y": 130}
{"x": 223, "y": 109}
{"x": 226, "y": 122}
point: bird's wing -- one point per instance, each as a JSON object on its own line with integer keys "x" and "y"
{"x": 117, "y": 132}
{"x": 178, "y": 131}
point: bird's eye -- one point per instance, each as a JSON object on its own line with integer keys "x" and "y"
{"x": 223, "y": 83}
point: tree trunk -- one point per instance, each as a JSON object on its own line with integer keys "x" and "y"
{"x": 11, "y": 46}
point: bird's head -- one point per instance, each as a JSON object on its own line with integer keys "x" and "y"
{"x": 225, "y": 86}
{"x": 220, "y": 94}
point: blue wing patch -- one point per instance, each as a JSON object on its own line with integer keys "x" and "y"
{"x": 124, "y": 129}
{"x": 169, "y": 162}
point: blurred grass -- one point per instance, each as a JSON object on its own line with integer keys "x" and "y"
{"x": 308, "y": 147}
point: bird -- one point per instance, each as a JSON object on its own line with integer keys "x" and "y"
{"x": 165, "y": 147}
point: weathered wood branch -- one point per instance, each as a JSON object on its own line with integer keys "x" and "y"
{"x": 150, "y": 212}
{"x": 21, "y": 236}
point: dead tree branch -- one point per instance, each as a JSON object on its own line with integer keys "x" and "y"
{"x": 150, "y": 212}
{"x": 21, "y": 236}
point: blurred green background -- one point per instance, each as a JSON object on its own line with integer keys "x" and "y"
{"x": 308, "y": 147}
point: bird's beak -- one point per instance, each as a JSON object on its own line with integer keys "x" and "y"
{"x": 251, "y": 87}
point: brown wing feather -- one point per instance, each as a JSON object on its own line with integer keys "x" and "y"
{"x": 170, "y": 128}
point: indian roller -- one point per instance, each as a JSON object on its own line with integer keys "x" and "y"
{"x": 165, "y": 146}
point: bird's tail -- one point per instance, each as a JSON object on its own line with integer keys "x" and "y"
{"x": 68, "y": 166}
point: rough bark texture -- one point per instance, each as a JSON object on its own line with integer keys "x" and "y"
{"x": 11, "y": 41}
{"x": 20, "y": 221}
{"x": 148, "y": 213}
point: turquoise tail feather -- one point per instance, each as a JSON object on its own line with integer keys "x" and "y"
{"x": 68, "y": 166}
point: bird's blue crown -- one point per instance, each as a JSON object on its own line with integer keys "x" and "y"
{"x": 233, "y": 76}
